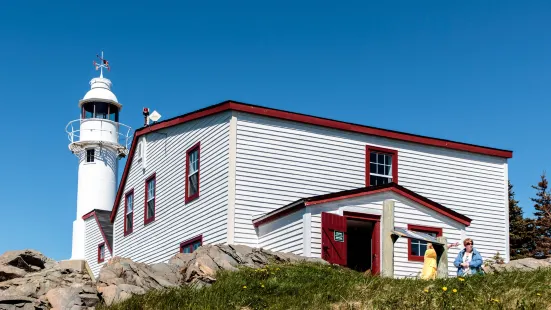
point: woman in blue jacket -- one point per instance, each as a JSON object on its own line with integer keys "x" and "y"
{"x": 468, "y": 261}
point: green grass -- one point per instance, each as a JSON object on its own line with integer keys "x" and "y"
{"x": 316, "y": 286}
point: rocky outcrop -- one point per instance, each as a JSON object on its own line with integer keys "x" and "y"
{"x": 524, "y": 264}
{"x": 29, "y": 280}
{"x": 121, "y": 278}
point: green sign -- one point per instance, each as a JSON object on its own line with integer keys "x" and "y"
{"x": 338, "y": 236}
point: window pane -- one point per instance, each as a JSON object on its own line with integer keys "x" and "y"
{"x": 90, "y": 156}
{"x": 151, "y": 189}
{"x": 193, "y": 162}
{"x": 187, "y": 249}
{"x": 372, "y": 168}
{"x": 150, "y": 208}
{"x": 381, "y": 169}
{"x": 422, "y": 249}
{"x": 373, "y": 157}
{"x": 387, "y": 170}
{"x": 129, "y": 203}
{"x": 129, "y": 222}
{"x": 380, "y": 158}
{"x": 388, "y": 159}
{"x": 193, "y": 185}
{"x": 415, "y": 249}
{"x": 196, "y": 245}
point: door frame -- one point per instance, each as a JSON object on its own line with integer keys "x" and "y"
{"x": 375, "y": 237}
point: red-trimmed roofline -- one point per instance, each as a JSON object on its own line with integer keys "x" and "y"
{"x": 301, "y": 118}
{"x": 359, "y": 192}
{"x": 93, "y": 213}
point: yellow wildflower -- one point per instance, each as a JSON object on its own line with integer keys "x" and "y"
{"x": 454, "y": 290}
{"x": 426, "y": 291}
{"x": 262, "y": 285}
{"x": 538, "y": 294}
{"x": 244, "y": 286}
{"x": 461, "y": 279}
{"x": 444, "y": 288}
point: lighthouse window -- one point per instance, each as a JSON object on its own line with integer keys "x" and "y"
{"x": 192, "y": 172}
{"x": 150, "y": 199}
{"x": 90, "y": 155}
{"x": 129, "y": 213}
{"x": 101, "y": 110}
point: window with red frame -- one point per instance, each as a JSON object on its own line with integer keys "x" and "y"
{"x": 193, "y": 169}
{"x": 129, "y": 212}
{"x": 191, "y": 245}
{"x": 101, "y": 252}
{"x": 150, "y": 198}
{"x": 417, "y": 248}
{"x": 381, "y": 166}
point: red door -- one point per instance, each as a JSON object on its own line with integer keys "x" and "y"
{"x": 375, "y": 248}
{"x": 333, "y": 238}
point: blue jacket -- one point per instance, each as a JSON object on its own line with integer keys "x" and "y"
{"x": 475, "y": 264}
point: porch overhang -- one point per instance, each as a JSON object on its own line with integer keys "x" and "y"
{"x": 402, "y": 232}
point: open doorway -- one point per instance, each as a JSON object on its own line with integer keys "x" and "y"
{"x": 352, "y": 240}
{"x": 360, "y": 243}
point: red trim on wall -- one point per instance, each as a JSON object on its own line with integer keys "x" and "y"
{"x": 93, "y": 213}
{"x": 197, "y": 147}
{"x": 364, "y": 191}
{"x": 302, "y": 118}
{"x": 100, "y": 260}
{"x": 437, "y": 230}
{"x": 89, "y": 214}
{"x": 130, "y": 192}
{"x": 394, "y": 153}
{"x": 190, "y": 241}
{"x": 376, "y": 237}
{"x": 151, "y": 219}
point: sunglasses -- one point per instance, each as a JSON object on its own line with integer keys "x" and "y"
{"x": 468, "y": 244}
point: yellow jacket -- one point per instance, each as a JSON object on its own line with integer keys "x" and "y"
{"x": 429, "y": 266}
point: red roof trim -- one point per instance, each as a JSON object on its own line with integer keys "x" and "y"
{"x": 364, "y": 191}
{"x": 93, "y": 213}
{"x": 302, "y": 118}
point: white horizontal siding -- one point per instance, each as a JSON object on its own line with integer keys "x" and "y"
{"x": 405, "y": 212}
{"x": 93, "y": 238}
{"x": 283, "y": 235}
{"x": 278, "y": 162}
{"x": 176, "y": 221}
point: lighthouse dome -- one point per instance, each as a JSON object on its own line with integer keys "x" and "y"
{"x": 100, "y": 88}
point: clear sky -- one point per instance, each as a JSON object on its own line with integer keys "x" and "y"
{"x": 472, "y": 71}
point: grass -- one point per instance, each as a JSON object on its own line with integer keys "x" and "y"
{"x": 316, "y": 286}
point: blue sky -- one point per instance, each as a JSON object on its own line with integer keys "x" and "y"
{"x": 461, "y": 70}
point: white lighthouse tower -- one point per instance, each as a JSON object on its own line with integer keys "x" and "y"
{"x": 98, "y": 140}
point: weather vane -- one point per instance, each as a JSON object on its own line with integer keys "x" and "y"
{"x": 103, "y": 64}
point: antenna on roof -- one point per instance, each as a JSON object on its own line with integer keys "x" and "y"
{"x": 154, "y": 116}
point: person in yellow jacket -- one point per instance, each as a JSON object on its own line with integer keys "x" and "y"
{"x": 430, "y": 266}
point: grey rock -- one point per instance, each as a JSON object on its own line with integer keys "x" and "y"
{"x": 89, "y": 300}
{"x": 524, "y": 264}
{"x": 64, "y": 298}
{"x": 8, "y": 272}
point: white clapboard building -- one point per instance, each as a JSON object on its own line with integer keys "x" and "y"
{"x": 238, "y": 173}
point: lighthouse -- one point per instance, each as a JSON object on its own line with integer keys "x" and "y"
{"x": 98, "y": 140}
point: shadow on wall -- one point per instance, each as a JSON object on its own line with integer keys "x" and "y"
{"x": 109, "y": 158}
